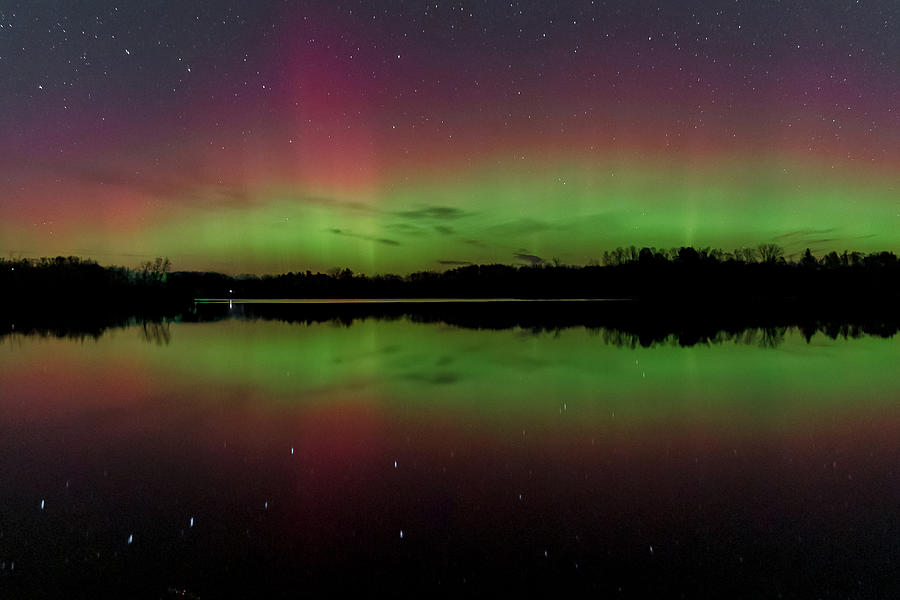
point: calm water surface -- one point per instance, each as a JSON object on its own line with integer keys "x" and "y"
{"x": 267, "y": 459}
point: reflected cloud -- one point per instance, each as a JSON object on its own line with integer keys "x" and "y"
{"x": 435, "y": 378}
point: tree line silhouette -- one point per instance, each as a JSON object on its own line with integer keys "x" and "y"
{"x": 679, "y": 274}
{"x": 62, "y": 286}
{"x": 622, "y": 324}
{"x": 619, "y": 323}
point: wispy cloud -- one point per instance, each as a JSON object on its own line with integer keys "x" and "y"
{"x": 524, "y": 226}
{"x": 525, "y": 256}
{"x": 435, "y": 377}
{"x": 817, "y": 240}
{"x": 370, "y": 238}
{"x": 802, "y": 233}
{"x": 433, "y": 212}
{"x": 406, "y": 229}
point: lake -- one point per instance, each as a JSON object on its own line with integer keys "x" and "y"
{"x": 269, "y": 457}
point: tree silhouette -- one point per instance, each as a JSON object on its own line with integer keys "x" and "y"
{"x": 769, "y": 253}
{"x": 156, "y": 270}
{"x": 808, "y": 259}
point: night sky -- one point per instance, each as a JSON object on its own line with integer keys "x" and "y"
{"x": 393, "y": 136}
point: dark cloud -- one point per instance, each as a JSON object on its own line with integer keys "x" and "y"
{"x": 816, "y": 240}
{"x": 523, "y": 226}
{"x": 433, "y": 212}
{"x": 369, "y": 238}
{"x": 406, "y": 229}
{"x": 435, "y": 378}
{"x": 524, "y": 256}
{"x": 802, "y": 233}
{"x": 457, "y": 263}
{"x": 444, "y": 229}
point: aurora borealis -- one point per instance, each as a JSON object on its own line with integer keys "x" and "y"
{"x": 394, "y": 136}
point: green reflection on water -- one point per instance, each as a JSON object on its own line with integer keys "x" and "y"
{"x": 570, "y": 374}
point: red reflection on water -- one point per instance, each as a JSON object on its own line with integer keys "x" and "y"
{"x": 115, "y": 452}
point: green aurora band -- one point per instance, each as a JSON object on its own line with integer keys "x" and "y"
{"x": 485, "y": 215}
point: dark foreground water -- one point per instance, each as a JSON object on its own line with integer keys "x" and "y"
{"x": 261, "y": 459}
